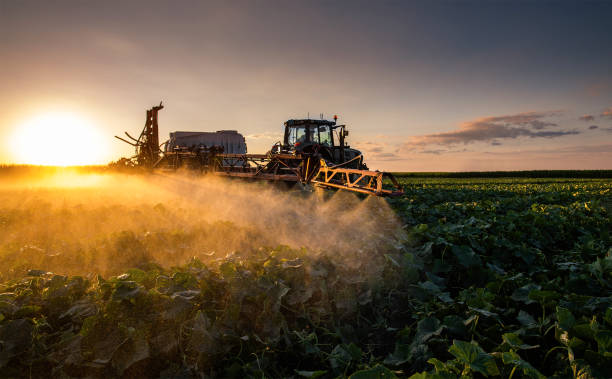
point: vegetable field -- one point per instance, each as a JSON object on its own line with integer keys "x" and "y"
{"x": 479, "y": 277}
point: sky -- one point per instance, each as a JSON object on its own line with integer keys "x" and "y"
{"x": 421, "y": 85}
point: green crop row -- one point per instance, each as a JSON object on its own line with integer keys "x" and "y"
{"x": 575, "y": 174}
{"x": 491, "y": 278}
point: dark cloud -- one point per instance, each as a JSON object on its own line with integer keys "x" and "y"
{"x": 553, "y": 134}
{"x": 370, "y": 147}
{"x": 593, "y": 127}
{"x": 420, "y": 150}
{"x": 586, "y": 117}
{"x": 433, "y": 151}
{"x": 377, "y": 151}
{"x": 386, "y": 157}
{"x": 496, "y": 143}
{"x": 607, "y": 113}
{"x": 539, "y": 125}
{"x": 485, "y": 129}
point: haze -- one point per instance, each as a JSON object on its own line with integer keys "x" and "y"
{"x": 423, "y": 86}
{"x": 71, "y": 221}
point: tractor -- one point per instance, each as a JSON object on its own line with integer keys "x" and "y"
{"x": 312, "y": 152}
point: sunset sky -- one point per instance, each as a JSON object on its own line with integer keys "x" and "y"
{"x": 422, "y": 86}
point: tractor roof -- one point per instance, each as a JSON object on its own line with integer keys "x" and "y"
{"x": 309, "y": 122}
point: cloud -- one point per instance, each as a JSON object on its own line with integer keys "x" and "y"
{"x": 433, "y": 151}
{"x": 607, "y": 113}
{"x": 586, "y": 117}
{"x": 370, "y": 147}
{"x": 490, "y": 129}
{"x": 378, "y": 151}
{"x": 385, "y": 157}
{"x": 593, "y": 127}
{"x": 539, "y": 125}
{"x": 553, "y": 134}
{"x": 265, "y": 136}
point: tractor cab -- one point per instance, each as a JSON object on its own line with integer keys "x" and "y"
{"x": 308, "y": 132}
{"x": 323, "y": 137}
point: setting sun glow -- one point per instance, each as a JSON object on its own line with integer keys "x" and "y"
{"x": 57, "y": 139}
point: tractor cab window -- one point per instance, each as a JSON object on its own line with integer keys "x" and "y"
{"x": 296, "y": 134}
{"x": 313, "y": 134}
{"x": 325, "y": 135}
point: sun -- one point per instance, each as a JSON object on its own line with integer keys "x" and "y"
{"x": 58, "y": 139}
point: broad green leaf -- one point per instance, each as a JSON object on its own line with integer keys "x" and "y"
{"x": 27, "y": 311}
{"x": 429, "y": 286}
{"x": 608, "y": 317}
{"x": 402, "y": 351}
{"x": 407, "y": 349}
{"x": 513, "y": 340}
{"x": 126, "y": 290}
{"x": 584, "y": 331}
{"x": 311, "y": 374}
{"x": 436, "y": 375}
{"x": 444, "y": 368}
{"x": 228, "y": 270}
{"x": 604, "y": 341}
{"x": 185, "y": 280}
{"x": 80, "y": 310}
{"x": 342, "y": 355}
{"x": 376, "y": 372}
{"x": 137, "y": 275}
{"x": 133, "y": 351}
{"x": 565, "y": 319}
{"x": 439, "y": 366}
{"x": 526, "y": 319}
{"x": 512, "y": 358}
{"x": 407, "y": 352}
{"x": 105, "y": 348}
{"x": 455, "y": 325}
{"x": 422, "y": 375}
{"x": 354, "y": 351}
{"x": 522, "y": 294}
{"x": 427, "y": 328}
{"x": 484, "y": 312}
{"x": 527, "y": 255}
{"x": 544, "y": 297}
{"x": 474, "y": 357}
{"x": 16, "y": 337}
{"x": 601, "y": 268}
{"x": 466, "y": 256}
